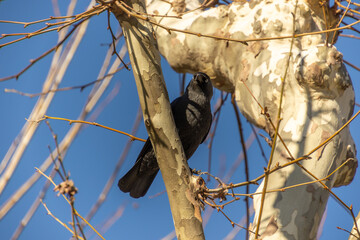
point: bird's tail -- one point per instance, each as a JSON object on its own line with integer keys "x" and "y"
{"x": 135, "y": 183}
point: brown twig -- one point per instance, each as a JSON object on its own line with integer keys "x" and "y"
{"x": 342, "y": 6}
{"x": 58, "y": 220}
{"x": 277, "y": 167}
{"x": 118, "y": 165}
{"x": 79, "y": 17}
{"x": 39, "y": 171}
{"x": 81, "y": 87}
{"x": 221, "y": 183}
{"x": 213, "y": 196}
{"x": 324, "y": 8}
{"x": 30, "y": 213}
{"x": 65, "y": 177}
{"x": 68, "y": 139}
{"x": 357, "y": 237}
{"x": 351, "y": 65}
{"x": 92, "y": 123}
{"x": 33, "y": 61}
{"x": 297, "y": 161}
{"x": 340, "y": 21}
{"x": 216, "y": 118}
{"x": 37, "y": 21}
{"x": 214, "y": 205}
{"x": 259, "y": 143}
{"x": 349, "y": 36}
{"x": 352, "y": 28}
{"x": 113, "y": 38}
{"x": 247, "y": 177}
{"x": 283, "y": 79}
{"x": 121, "y": 5}
{"x": 62, "y": 174}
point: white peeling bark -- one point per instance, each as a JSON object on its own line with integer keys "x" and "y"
{"x": 354, "y": 234}
{"x": 154, "y": 101}
{"x": 318, "y": 96}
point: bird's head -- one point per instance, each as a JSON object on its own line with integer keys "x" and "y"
{"x": 200, "y": 84}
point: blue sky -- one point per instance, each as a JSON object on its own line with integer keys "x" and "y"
{"x": 94, "y": 153}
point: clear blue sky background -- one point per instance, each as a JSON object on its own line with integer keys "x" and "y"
{"x": 95, "y": 151}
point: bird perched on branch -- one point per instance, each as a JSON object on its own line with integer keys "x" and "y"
{"x": 192, "y": 115}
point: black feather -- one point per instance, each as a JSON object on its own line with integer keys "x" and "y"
{"x": 192, "y": 115}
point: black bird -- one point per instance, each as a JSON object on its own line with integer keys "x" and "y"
{"x": 192, "y": 115}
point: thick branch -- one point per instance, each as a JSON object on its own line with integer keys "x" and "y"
{"x": 318, "y": 94}
{"x": 154, "y": 100}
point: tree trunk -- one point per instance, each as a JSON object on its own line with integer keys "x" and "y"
{"x": 154, "y": 100}
{"x": 318, "y": 95}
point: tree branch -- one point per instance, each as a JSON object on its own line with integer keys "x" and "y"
{"x": 154, "y": 101}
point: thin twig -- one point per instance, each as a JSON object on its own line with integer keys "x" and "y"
{"x": 92, "y": 123}
{"x": 121, "y": 5}
{"x": 216, "y": 118}
{"x": 80, "y": 17}
{"x": 259, "y": 143}
{"x": 283, "y": 79}
{"x": 62, "y": 174}
{"x": 357, "y": 237}
{"x": 351, "y": 65}
{"x": 37, "y": 21}
{"x": 349, "y": 36}
{"x": 113, "y": 38}
{"x": 39, "y": 171}
{"x": 118, "y": 165}
{"x": 93, "y": 98}
{"x": 340, "y": 21}
{"x": 30, "y": 213}
{"x": 231, "y": 222}
{"x": 210, "y": 193}
{"x": 247, "y": 177}
{"x": 81, "y": 87}
{"x": 58, "y": 220}
{"x": 33, "y": 61}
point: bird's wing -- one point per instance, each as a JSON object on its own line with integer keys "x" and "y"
{"x": 147, "y": 146}
{"x": 207, "y": 130}
{"x": 175, "y": 103}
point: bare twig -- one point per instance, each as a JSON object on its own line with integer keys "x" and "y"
{"x": 259, "y": 143}
{"x": 351, "y": 65}
{"x": 357, "y": 237}
{"x": 49, "y": 27}
{"x": 113, "y": 38}
{"x": 68, "y": 139}
{"x": 216, "y": 118}
{"x": 349, "y": 36}
{"x": 33, "y": 61}
{"x": 340, "y": 21}
{"x": 57, "y": 70}
{"x": 69, "y": 202}
{"x": 81, "y": 87}
{"x": 277, "y": 167}
{"x": 26, "y": 219}
{"x": 247, "y": 177}
{"x": 58, "y": 220}
{"x": 118, "y": 165}
{"x": 62, "y": 174}
{"x": 92, "y": 123}
{"x": 243, "y": 41}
